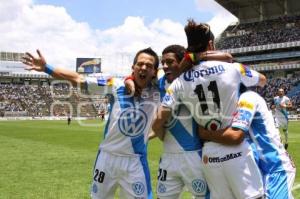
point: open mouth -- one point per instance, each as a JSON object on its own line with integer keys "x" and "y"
{"x": 168, "y": 73}
{"x": 142, "y": 76}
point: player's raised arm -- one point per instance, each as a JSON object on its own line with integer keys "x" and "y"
{"x": 39, "y": 64}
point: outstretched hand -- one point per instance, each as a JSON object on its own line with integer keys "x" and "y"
{"x": 34, "y": 63}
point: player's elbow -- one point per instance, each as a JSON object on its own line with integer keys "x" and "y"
{"x": 236, "y": 137}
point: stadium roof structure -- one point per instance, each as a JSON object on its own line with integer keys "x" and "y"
{"x": 258, "y": 10}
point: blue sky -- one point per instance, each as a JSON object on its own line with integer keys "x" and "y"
{"x": 105, "y": 14}
{"x": 113, "y": 30}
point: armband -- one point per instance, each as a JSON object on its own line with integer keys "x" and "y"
{"x": 130, "y": 77}
{"x": 190, "y": 57}
{"x": 49, "y": 69}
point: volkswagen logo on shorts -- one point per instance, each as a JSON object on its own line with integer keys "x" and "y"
{"x": 198, "y": 185}
{"x": 132, "y": 122}
{"x": 138, "y": 188}
{"x": 161, "y": 188}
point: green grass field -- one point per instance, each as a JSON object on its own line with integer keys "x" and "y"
{"x": 49, "y": 159}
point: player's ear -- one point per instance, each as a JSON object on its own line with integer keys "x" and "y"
{"x": 211, "y": 45}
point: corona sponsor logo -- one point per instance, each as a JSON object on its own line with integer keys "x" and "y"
{"x": 191, "y": 75}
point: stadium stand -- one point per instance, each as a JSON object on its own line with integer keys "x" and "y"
{"x": 267, "y": 38}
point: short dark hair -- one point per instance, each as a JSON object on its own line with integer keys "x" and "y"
{"x": 198, "y": 36}
{"x": 178, "y": 50}
{"x": 148, "y": 51}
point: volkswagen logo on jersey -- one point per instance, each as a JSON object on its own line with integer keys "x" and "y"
{"x": 132, "y": 122}
{"x": 199, "y": 185}
{"x": 213, "y": 125}
{"x": 138, "y": 188}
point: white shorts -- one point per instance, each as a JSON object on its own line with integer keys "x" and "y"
{"x": 231, "y": 171}
{"x": 130, "y": 173}
{"x": 279, "y": 184}
{"x": 281, "y": 120}
{"x": 179, "y": 170}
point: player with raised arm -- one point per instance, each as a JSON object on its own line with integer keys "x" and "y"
{"x": 122, "y": 157}
{"x": 210, "y": 91}
{"x": 280, "y": 105}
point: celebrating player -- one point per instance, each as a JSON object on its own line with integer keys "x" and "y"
{"x": 121, "y": 160}
{"x": 280, "y": 105}
{"x": 210, "y": 92}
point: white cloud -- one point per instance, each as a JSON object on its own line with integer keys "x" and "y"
{"x": 222, "y": 18}
{"x": 25, "y": 26}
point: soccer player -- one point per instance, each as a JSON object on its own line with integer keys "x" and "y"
{"x": 122, "y": 158}
{"x": 256, "y": 121}
{"x": 210, "y": 92}
{"x": 181, "y": 141}
{"x": 280, "y": 105}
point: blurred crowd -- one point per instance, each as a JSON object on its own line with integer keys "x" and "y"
{"x": 291, "y": 87}
{"x": 283, "y": 29}
{"x": 38, "y": 101}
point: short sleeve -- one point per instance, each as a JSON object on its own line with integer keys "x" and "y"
{"x": 172, "y": 96}
{"x": 245, "y": 112}
{"x": 248, "y": 76}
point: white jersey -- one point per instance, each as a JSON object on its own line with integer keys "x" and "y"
{"x": 279, "y": 111}
{"x": 129, "y": 122}
{"x": 254, "y": 117}
{"x": 181, "y": 134}
{"x": 210, "y": 90}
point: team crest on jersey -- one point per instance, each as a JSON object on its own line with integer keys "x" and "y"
{"x": 161, "y": 188}
{"x": 199, "y": 185}
{"x": 138, "y": 188}
{"x": 213, "y": 125}
{"x": 132, "y": 122}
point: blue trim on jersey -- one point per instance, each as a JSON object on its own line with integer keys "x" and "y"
{"x": 254, "y": 149}
{"x": 139, "y": 145}
{"x": 162, "y": 87}
{"x": 109, "y": 117}
{"x": 207, "y": 195}
{"x": 143, "y": 159}
{"x": 187, "y": 141}
{"x": 125, "y": 100}
{"x": 285, "y": 113}
{"x": 96, "y": 159}
{"x": 270, "y": 162}
{"x": 277, "y": 186}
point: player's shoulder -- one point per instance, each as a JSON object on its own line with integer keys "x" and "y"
{"x": 251, "y": 96}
